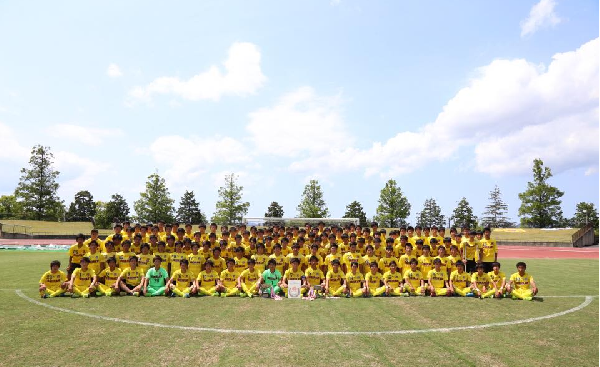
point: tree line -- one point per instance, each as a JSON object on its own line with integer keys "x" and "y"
{"x": 36, "y": 197}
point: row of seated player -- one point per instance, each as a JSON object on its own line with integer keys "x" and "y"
{"x": 133, "y": 280}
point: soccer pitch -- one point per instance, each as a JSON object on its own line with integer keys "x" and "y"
{"x": 130, "y": 331}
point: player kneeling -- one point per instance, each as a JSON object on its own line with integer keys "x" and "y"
{"x": 181, "y": 282}
{"x": 482, "y": 285}
{"x": 83, "y": 280}
{"x": 155, "y": 281}
{"x": 521, "y": 284}
{"x": 438, "y": 280}
{"x": 355, "y": 282}
{"x": 130, "y": 280}
{"x": 107, "y": 283}
{"x": 413, "y": 280}
{"x": 460, "y": 280}
{"x": 54, "y": 282}
{"x": 206, "y": 282}
{"x": 249, "y": 280}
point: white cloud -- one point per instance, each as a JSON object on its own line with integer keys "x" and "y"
{"x": 541, "y": 15}
{"x": 300, "y": 122}
{"x": 242, "y": 77}
{"x": 335, "y": 2}
{"x": 114, "y": 71}
{"x": 511, "y": 112}
{"x": 11, "y": 150}
{"x": 189, "y": 158}
{"x": 83, "y": 134}
{"x": 77, "y": 173}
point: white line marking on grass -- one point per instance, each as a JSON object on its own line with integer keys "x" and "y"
{"x": 586, "y": 302}
{"x": 8, "y": 289}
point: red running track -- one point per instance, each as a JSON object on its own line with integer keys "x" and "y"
{"x": 504, "y": 252}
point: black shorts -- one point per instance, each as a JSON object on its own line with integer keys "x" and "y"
{"x": 130, "y": 287}
{"x": 487, "y": 266}
{"x": 72, "y": 267}
{"x": 471, "y": 266}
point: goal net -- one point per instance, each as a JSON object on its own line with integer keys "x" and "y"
{"x": 298, "y": 222}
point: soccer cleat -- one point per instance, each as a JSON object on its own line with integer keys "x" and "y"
{"x": 242, "y": 295}
{"x": 74, "y": 295}
{"x": 223, "y": 295}
{"x": 186, "y": 295}
{"x": 527, "y": 298}
{"x": 173, "y": 295}
{"x": 109, "y": 293}
{"x": 216, "y": 294}
{"x": 98, "y": 293}
{"x": 515, "y": 297}
{"x": 86, "y": 295}
{"x": 136, "y": 294}
{"x": 405, "y": 294}
{"x": 148, "y": 295}
{"x": 470, "y": 294}
{"x": 347, "y": 295}
{"x": 250, "y": 295}
{"x": 44, "y": 295}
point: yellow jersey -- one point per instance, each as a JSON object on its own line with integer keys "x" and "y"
{"x": 293, "y": 275}
{"x": 98, "y": 241}
{"x": 392, "y": 279}
{"x": 250, "y": 277}
{"x": 132, "y": 277}
{"x": 175, "y": 261}
{"x": 76, "y": 252}
{"x": 335, "y": 279}
{"x": 329, "y": 259}
{"x": 96, "y": 261}
{"x": 53, "y": 281}
{"x": 229, "y": 278}
{"x": 451, "y": 262}
{"x": 460, "y": 280}
{"x": 165, "y": 260}
{"x": 354, "y": 281}
{"x": 489, "y": 249}
{"x": 218, "y": 264}
{"x": 472, "y": 249}
{"x": 207, "y": 280}
{"x": 413, "y": 277}
{"x": 145, "y": 261}
{"x": 240, "y": 264}
{"x": 437, "y": 279}
{"x": 195, "y": 263}
{"x": 302, "y": 258}
{"x": 384, "y": 263}
{"x": 374, "y": 280}
{"x": 83, "y": 278}
{"x": 261, "y": 262}
{"x": 521, "y": 282}
{"x": 444, "y": 261}
{"x": 481, "y": 281}
{"x": 110, "y": 276}
{"x": 314, "y": 276}
{"x": 182, "y": 280}
{"x": 425, "y": 264}
{"x": 405, "y": 262}
{"x": 349, "y": 257}
{"x": 497, "y": 278}
{"x": 123, "y": 259}
{"x": 280, "y": 262}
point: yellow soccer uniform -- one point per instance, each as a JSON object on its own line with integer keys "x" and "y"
{"x": 489, "y": 249}
{"x": 329, "y": 260}
{"x": 218, "y": 264}
{"x": 96, "y": 261}
{"x": 110, "y": 276}
{"x": 481, "y": 281}
{"x": 384, "y": 263}
{"x": 471, "y": 251}
{"x": 335, "y": 282}
{"x": 229, "y": 278}
{"x": 76, "y": 252}
{"x": 349, "y": 257}
{"x": 425, "y": 264}
{"x": 314, "y": 276}
{"x": 82, "y": 281}
{"x": 132, "y": 277}
{"x": 405, "y": 262}
{"x": 437, "y": 279}
{"x": 392, "y": 279}
{"x": 522, "y": 286}
{"x": 414, "y": 278}
{"x": 293, "y": 275}
{"x": 182, "y": 281}
{"x": 240, "y": 264}
{"x": 175, "y": 261}
{"x": 123, "y": 259}
{"x": 354, "y": 283}
{"x": 165, "y": 260}
{"x": 497, "y": 278}
{"x": 261, "y": 262}
{"x": 249, "y": 280}
{"x": 145, "y": 261}
{"x": 53, "y": 281}
{"x": 195, "y": 263}
{"x": 459, "y": 282}
{"x": 302, "y": 258}
{"x": 374, "y": 283}
{"x": 444, "y": 266}
{"x": 280, "y": 262}
{"x": 451, "y": 262}
{"x": 207, "y": 282}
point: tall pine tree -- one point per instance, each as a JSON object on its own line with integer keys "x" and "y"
{"x": 189, "y": 209}
{"x": 37, "y": 188}
{"x": 431, "y": 215}
{"x": 495, "y": 212}
{"x": 230, "y": 209}
{"x": 274, "y": 210}
{"x": 117, "y": 209}
{"x": 540, "y": 203}
{"x": 155, "y": 203}
{"x": 83, "y": 208}
{"x": 355, "y": 210}
{"x": 463, "y": 214}
{"x": 312, "y": 204}
{"x": 393, "y": 207}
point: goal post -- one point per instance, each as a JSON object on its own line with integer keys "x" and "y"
{"x": 299, "y": 222}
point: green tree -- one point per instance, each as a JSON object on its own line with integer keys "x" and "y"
{"x": 585, "y": 213}
{"x": 37, "y": 188}
{"x": 355, "y": 210}
{"x": 393, "y": 207}
{"x": 463, "y": 214}
{"x": 274, "y": 210}
{"x": 189, "y": 209}
{"x": 83, "y": 208}
{"x": 101, "y": 219}
{"x": 155, "y": 203}
{"x": 431, "y": 215}
{"x": 10, "y": 208}
{"x": 117, "y": 210}
{"x": 312, "y": 204}
{"x": 540, "y": 203}
{"x": 230, "y": 209}
{"x": 495, "y": 212}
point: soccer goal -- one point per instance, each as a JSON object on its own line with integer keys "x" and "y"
{"x": 299, "y": 222}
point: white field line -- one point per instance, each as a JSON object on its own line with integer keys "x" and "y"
{"x": 586, "y": 302}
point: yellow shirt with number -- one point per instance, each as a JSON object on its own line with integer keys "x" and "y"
{"x": 521, "y": 282}
{"x": 280, "y": 262}
{"x": 497, "y": 278}
{"x": 83, "y": 278}
{"x": 405, "y": 262}
{"x": 354, "y": 281}
{"x": 229, "y": 278}
{"x": 76, "y": 253}
{"x": 175, "y": 261}
{"x": 384, "y": 263}
{"x": 53, "y": 281}
{"x": 490, "y": 249}
{"x": 437, "y": 278}
{"x": 335, "y": 279}
{"x": 110, "y": 276}
{"x": 195, "y": 263}
{"x": 481, "y": 280}
{"x": 182, "y": 279}
{"x": 250, "y": 277}
{"x": 293, "y": 275}
{"x": 145, "y": 261}
{"x": 459, "y": 280}
{"x": 123, "y": 259}
{"x": 240, "y": 264}
{"x": 207, "y": 280}
{"x": 132, "y": 277}
{"x": 425, "y": 264}
{"x": 392, "y": 279}
{"x": 413, "y": 277}
{"x": 261, "y": 262}
{"x": 314, "y": 276}
{"x": 374, "y": 280}
{"x": 96, "y": 261}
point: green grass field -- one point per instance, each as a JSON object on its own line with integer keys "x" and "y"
{"x": 33, "y": 335}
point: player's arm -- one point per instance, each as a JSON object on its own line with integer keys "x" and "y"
{"x": 429, "y": 283}
{"x": 534, "y": 288}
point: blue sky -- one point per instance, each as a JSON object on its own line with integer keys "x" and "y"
{"x": 447, "y": 98}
